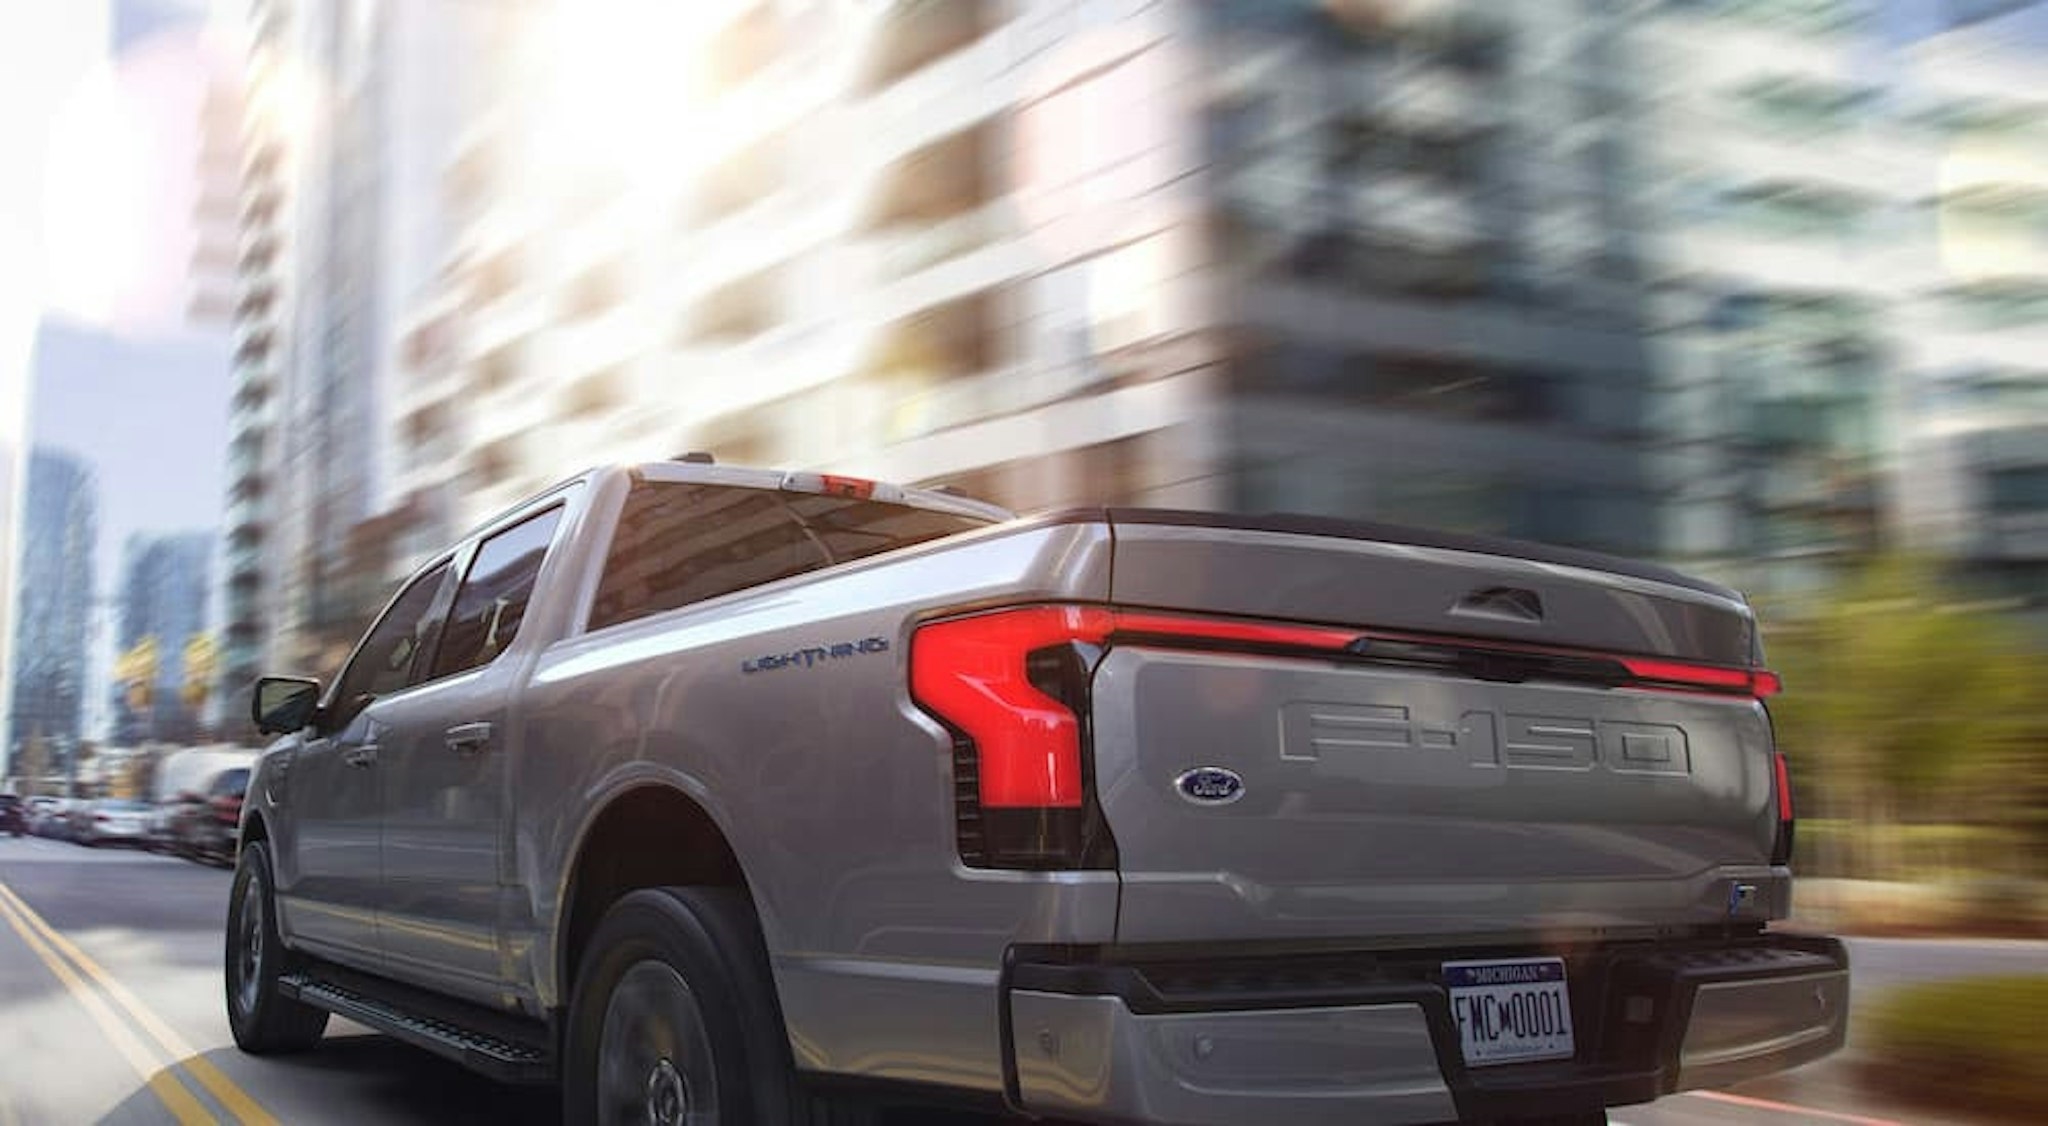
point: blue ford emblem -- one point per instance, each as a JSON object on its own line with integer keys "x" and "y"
{"x": 1210, "y": 785}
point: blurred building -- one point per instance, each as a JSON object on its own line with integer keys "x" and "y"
{"x": 216, "y": 222}
{"x": 1972, "y": 447}
{"x": 53, "y": 606}
{"x": 269, "y": 97}
{"x": 1667, "y": 279}
{"x": 348, "y": 123}
{"x": 166, "y": 582}
{"x": 1257, "y": 255}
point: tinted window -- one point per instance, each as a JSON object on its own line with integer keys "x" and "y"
{"x": 386, "y": 659}
{"x": 679, "y": 543}
{"x": 232, "y": 782}
{"x": 493, "y": 598}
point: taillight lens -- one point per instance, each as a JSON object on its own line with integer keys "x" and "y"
{"x": 1781, "y": 781}
{"x": 1686, "y": 676}
{"x": 975, "y": 674}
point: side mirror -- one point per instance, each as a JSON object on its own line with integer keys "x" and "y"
{"x": 284, "y": 704}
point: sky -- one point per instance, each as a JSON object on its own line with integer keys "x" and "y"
{"x": 117, "y": 375}
{"x": 99, "y": 116}
{"x": 149, "y": 413}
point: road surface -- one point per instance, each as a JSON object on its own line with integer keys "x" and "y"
{"x": 110, "y": 1011}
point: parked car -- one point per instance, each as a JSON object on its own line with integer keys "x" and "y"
{"x": 1111, "y": 815}
{"x": 204, "y": 823}
{"x": 49, "y": 817}
{"x": 13, "y": 815}
{"x": 156, "y": 834}
{"x": 110, "y": 821}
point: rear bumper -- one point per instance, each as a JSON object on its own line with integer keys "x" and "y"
{"x": 1232, "y": 1040}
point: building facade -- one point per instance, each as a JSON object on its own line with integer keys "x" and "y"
{"x": 1225, "y": 255}
{"x": 348, "y": 124}
{"x": 1665, "y": 279}
{"x": 54, "y": 604}
{"x": 166, "y": 585}
{"x": 273, "y": 109}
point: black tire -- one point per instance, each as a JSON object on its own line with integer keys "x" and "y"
{"x": 684, "y": 968}
{"x": 264, "y": 1021}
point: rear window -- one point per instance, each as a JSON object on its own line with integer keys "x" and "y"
{"x": 682, "y": 543}
{"x": 233, "y": 782}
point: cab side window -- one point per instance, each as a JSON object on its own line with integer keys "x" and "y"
{"x": 385, "y": 662}
{"x": 677, "y": 544}
{"x": 492, "y": 601}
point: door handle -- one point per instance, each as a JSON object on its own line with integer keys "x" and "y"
{"x": 365, "y": 755}
{"x": 469, "y": 738}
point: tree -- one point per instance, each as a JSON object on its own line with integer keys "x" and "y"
{"x": 1902, "y": 705}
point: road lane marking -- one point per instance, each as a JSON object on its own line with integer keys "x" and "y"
{"x": 158, "y": 1075}
{"x": 1755, "y": 1103}
{"x": 232, "y": 1097}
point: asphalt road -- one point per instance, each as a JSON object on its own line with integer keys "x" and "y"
{"x": 110, "y": 1011}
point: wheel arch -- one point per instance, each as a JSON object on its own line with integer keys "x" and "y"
{"x": 647, "y": 835}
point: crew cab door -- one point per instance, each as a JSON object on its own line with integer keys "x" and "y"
{"x": 329, "y": 878}
{"x": 444, "y": 772}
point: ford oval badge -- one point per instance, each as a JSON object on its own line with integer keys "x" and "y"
{"x": 1210, "y": 785}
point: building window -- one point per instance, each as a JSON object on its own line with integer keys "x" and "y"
{"x": 742, "y": 49}
{"x": 595, "y": 291}
{"x": 917, "y": 33}
{"x": 737, "y": 311}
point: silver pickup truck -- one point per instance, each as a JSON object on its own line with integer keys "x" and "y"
{"x": 715, "y": 794}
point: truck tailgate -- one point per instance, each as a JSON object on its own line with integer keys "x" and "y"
{"x": 1392, "y": 800}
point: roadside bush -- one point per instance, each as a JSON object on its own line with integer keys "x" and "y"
{"x": 1974, "y": 1045}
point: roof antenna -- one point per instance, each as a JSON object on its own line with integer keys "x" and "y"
{"x": 696, "y": 457}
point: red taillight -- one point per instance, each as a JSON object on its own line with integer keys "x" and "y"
{"x": 1784, "y": 784}
{"x": 1704, "y": 678}
{"x": 1781, "y": 778}
{"x": 972, "y": 673}
{"x": 858, "y": 488}
{"x": 1177, "y": 627}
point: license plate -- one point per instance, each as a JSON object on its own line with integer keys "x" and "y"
{"x": 1511, "y": 1011}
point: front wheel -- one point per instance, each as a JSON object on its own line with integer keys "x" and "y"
{"x": 263, "y": 1020}
{"x": 674, "y": 1021}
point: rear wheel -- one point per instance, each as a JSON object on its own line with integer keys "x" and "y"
{"x": 674, "y": 1021}
{"x": 263, "y": 1019}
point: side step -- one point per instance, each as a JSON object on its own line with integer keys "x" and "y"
{"x": 503, "y": 1047}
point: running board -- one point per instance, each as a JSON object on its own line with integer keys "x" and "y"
{"x": 503, "y": 1047}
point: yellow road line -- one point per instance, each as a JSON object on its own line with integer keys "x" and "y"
{"x": 237, "y": 1101}
{"x": 179, "y": 1101}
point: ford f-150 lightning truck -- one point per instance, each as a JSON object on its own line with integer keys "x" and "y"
{"x": 723, "y": 794}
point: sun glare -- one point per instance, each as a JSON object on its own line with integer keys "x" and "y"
{"x": 96, "y": 201}
{"x": 613, "y": 80}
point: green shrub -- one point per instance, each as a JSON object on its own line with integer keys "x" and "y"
{"x": 1975, "y": 1044}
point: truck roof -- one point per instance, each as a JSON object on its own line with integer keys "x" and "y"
{"x": 701, "y": 472}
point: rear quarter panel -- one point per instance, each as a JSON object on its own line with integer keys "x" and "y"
{"x": 833, "y": 789}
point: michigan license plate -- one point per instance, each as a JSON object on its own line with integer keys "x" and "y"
{"x": 1511, "y": 1011}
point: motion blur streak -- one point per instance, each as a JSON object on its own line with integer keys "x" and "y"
{"x": 1788, "y": 1108}
{"x": 232, "y": 1097}
{"x": 161, "y": 1080}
